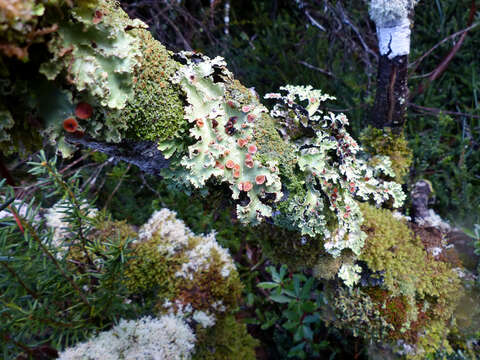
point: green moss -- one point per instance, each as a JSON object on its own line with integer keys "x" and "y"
{"x": 152, "y": 271}
{"x": 228, "y": 339}
{"x": 430, "y": 288}
{"x": 327, "y": 266}
{"x": 356, "y": 312}
{"x": 394, "y": 310}
{"x": 156, "y": 110}
{"x": 395, "y": 146}
{"x": 209, "y": 287}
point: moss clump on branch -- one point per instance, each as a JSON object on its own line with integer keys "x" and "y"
{"x": 156, "y": 110}
{"x": 180, "y": 270}
{"x": 395, "y": 146}
{"x": 419, "y": 294}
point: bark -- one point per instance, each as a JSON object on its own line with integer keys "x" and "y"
{"x": 392, "y": 93}
{"x": 143, "y": 154}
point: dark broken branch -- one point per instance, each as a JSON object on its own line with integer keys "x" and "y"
{"x": 143, "y": 154}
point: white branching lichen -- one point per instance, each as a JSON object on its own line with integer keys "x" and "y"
{"x": 336, "y": 176}
{"x": 166, "y": 338}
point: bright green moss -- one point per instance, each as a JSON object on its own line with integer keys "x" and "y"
{"x": 152, "y": 271}
{"x": 409, "y": 270}
{"x": 395, "y": 146}
{"x": 156, "y": 110}
{"x": 429, "y": 289}
{"x": 228, "y": 339}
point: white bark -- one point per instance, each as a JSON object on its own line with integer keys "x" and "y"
{"x": 394, "y": 40}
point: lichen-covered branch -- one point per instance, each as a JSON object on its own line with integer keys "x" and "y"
{"x": 102, "y": 81}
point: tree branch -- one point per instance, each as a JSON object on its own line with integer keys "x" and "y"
{"x": 143, "y": 154}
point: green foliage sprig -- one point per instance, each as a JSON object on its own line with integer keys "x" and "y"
{"x": 57, "y": 292}
{"x": 301, "y": 316}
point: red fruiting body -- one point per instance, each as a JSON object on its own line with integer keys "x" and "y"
{"x": 242, "y": 142}
{"x": 83, "y": 111}
{"x": 199, "y": 122}
{"x": 251, "y": 118}
{"x": 247, "y": 186}
{"x": 252, "y": 149}
{"x": 97, "y": 17}
{"x": 240, "y": 186}
{"x": 70, "y": 125}
{"x": 229, "y": 164}
{"x": 260, "y": 179}
{"x": 249, "y": 163}
{"x": 231, "y": 103}
{"x": 236, "y": 174}
{"x": 246, "y": 108}
{"x": 219, "y": 165}
{"x": 236, "y": 167}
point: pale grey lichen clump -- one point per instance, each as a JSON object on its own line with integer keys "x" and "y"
{"x": 386, "y": 13}
{"x": 177, "y": 238}
{"x": 167, "y": 338}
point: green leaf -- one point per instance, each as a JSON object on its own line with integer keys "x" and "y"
{"x": 296, "y": 285}
{"x": 297, "y": 350}
{"x": 307, "y": 332}
{"x": 282, "y": 299}
{"x": 311, "y": 319}
{"x": 267, "y": 285}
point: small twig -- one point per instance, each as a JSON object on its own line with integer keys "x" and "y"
{"x": 438, "y": 111}
{"x": 440, "y": 69}
{"x": 417, "y": 62}
{"x": 347, "y": 21}
{"x": 145, "y": 182}
{"x": 110, "y": 197}
{"x": 73, "y": 163}
{"x": 20, "y": 281}
{"x": 326, "y": 72}
{"x": 313, "y": 21}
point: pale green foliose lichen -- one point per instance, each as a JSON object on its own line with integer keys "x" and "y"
{"x": 224, "y": 146}
{"x": 328, "y": 175}
{"x": 96, "y": 54}
{"x": 350, "y": 274}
